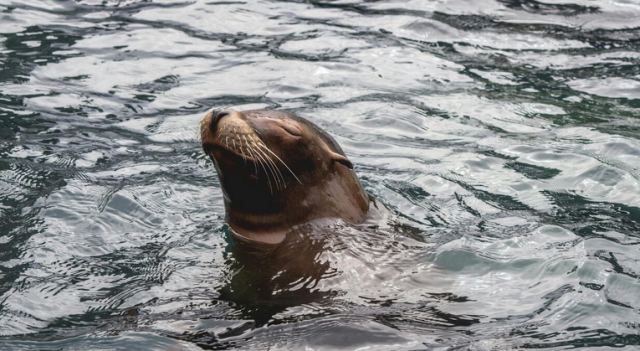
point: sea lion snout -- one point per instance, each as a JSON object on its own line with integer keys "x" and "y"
{"x": 224, "y": 129}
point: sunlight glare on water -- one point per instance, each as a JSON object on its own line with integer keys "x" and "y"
{"x": 498, "y": 137}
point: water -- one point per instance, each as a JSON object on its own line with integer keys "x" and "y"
{"x": 502, "y": 137}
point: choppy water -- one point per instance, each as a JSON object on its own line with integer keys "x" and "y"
{"x": 502, "y": 136}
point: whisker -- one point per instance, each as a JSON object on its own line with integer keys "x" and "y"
{"x": 266, "y": 174}
{"x": 251, "y": 154}
{"x": 265, "y": 166}
{"x": 277, "y": 174}
{"x": 270, "y": 159}
{"x": 279, "y": 159}
{"x": 270, "y": 167}
{"x": 243, "y": 153}
{"x": 272, "y": 163}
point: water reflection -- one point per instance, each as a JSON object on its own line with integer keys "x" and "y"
{"x": 267, "y": 279}
{"x": 502, "y": 136}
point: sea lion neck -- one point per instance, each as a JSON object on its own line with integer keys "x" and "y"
{"x": 256, "y": 194}
{"x": 266, "y": 210}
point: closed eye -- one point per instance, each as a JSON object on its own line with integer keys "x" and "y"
{"x": 291, "y": 129}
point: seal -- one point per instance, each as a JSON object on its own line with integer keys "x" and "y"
{"x": 278, "y": 170}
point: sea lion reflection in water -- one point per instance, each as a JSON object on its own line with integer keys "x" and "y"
{"x": 278, "y": 171}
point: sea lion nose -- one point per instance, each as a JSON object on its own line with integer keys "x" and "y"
{"x": 216, "y": 116}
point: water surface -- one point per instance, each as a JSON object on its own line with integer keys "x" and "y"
{"x": 502, "y": 137}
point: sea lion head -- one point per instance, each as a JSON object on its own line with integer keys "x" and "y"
{"x": 278, "y": 170}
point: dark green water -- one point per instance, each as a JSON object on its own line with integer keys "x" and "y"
{"x": 503, "y": 137}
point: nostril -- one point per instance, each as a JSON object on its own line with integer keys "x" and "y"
{"x": 220, "y": 114}
{"x": 215, "y": 118}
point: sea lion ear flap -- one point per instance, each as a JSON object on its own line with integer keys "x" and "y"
{"x": 341, "y": 159}
{"x": 336, "y": 157}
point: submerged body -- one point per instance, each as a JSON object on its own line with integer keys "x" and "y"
{"x": 278, "y": 170}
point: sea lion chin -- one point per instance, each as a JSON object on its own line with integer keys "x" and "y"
{"x": 277, "y": 171}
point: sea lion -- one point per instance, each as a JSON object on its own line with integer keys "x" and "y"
{"x": 278, "y": 170}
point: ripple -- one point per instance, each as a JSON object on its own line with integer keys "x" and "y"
{"x": 499, "y": 139}
{"x": 344, "y": 333}
{"x": 609, "y": 87}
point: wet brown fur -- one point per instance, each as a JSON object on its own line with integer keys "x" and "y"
{"x": 278, "y": 170}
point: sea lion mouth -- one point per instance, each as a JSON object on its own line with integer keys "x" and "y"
{"x": 233, "y": 135}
